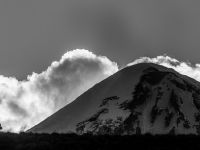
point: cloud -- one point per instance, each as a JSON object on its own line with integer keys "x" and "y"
{"x": 23, "y": 104}
{"x": 26, "y": 103}
{"x": 185, "y": 68}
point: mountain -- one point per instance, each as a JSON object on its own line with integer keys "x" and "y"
{"x": 143, "y": 98}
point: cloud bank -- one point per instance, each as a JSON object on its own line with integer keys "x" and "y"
{"x": 25, "y": 103}
{"x": 185, "y": 68}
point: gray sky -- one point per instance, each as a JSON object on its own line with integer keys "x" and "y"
{"x": 33, "y": 33}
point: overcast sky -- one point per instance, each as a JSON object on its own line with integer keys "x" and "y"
{"x": 33, "y": 33}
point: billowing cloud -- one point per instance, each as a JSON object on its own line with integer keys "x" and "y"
{"x": 185, "y": 68}
{"x": 25, "y": 103}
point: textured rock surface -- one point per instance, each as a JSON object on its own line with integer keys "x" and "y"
{"x": 144, "y": 98}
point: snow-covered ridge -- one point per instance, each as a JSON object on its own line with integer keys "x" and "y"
{"x": 143, "y": 98}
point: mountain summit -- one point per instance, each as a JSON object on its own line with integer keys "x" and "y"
{"x": 143, "y": 98}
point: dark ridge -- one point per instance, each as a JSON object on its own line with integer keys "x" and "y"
{"x": 159, "y": 94}
{"x": 140, "y": 95}
{"x": 196, "y": 100}
{"x": 106, "y": 100}
{"x": 130, "y": 122}
{"x": 174, "y": 101}
{"x": 143, "y": 89}
{"x": 191, "y": 87}
{"x": 197, "y": 117}
{"x": 124, "y": 105}
{"x": 153, "y": 76}
{"x": 180, "y": 118}
{"x": 179, "y": 85}
{"x": 172, "y": 131}
{"x": 155, "y": 111}
{"x": 168, "y": 118}
{"x": 185, "y": 86}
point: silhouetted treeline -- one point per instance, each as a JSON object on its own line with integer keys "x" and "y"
{"x": 25, "y": 141}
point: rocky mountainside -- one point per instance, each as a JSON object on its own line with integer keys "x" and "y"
{"x": 143, "y": 98}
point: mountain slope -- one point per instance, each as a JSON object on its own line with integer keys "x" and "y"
{"x": 143, "y": 98}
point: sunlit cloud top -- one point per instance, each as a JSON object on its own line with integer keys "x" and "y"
{"x": 26, "y": 103}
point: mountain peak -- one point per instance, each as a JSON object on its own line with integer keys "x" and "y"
{"x": 142, "y": 98}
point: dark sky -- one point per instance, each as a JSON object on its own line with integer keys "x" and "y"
{"x": 33, "y": 33}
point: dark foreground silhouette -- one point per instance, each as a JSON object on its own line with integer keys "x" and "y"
{"x": 27, "y": 141}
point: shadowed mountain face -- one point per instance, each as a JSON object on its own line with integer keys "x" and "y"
{"x": 143, "y": 98}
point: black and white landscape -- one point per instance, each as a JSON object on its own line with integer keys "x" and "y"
{"x": 143, "y": 98}
{"x": 99, "y": 74}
